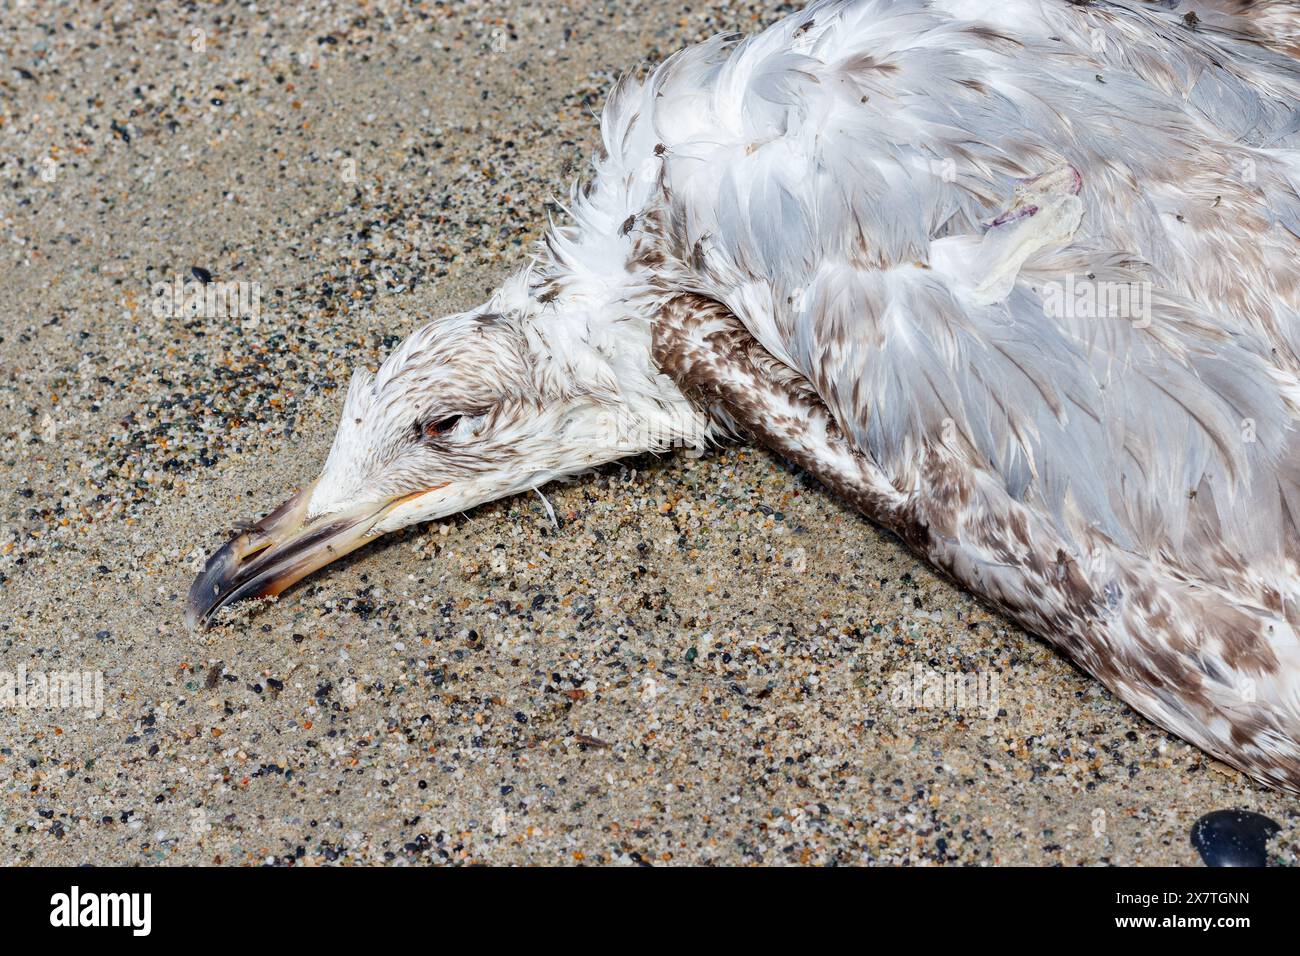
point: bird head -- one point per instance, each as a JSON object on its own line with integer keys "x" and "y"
{"x": 470, "y": 408}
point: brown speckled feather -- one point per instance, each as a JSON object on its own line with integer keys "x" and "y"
{"x": 1148, "y": 634}
{"x": 887, "y": 200}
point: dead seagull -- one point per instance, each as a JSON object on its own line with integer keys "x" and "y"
{"x": 1018, "y": 280}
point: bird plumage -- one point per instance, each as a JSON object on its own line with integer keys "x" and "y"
{"x": 814, "y": 179}
{"x": 1018, "y": 279}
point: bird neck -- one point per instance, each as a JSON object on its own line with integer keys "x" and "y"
{"x": 588, "y": 319}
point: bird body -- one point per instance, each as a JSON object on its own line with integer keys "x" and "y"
{"x": 1019, "y": 280}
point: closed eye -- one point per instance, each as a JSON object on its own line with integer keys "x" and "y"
{"x": 440, "y": 426}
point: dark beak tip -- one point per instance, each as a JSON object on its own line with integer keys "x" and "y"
{"x": 197, "y": 615}
{"x": 270, "y": 556}
{"x": 194, "y": 618}
{"x": 210, "y": 588}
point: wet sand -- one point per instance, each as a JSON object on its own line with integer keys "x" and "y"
{"x": 709, "y": 661}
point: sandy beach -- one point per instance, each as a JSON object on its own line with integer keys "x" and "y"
{"x": 709, "y": 660}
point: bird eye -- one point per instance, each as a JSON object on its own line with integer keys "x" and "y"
{"x": 440, "y": 426}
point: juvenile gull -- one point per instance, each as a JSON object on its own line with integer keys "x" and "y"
{"x": 1018, "y": 280}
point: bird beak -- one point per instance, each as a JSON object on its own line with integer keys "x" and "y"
{"x": 278, "y": 551}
